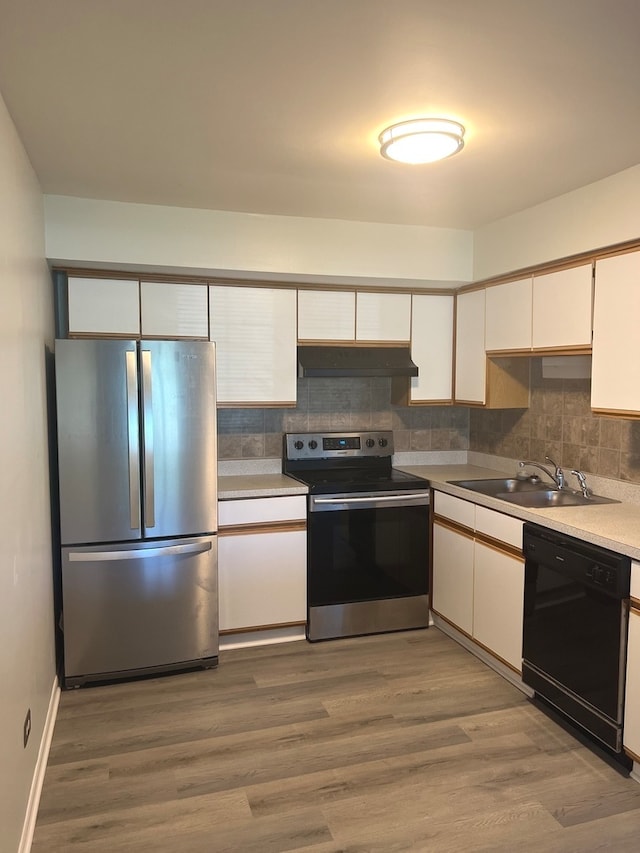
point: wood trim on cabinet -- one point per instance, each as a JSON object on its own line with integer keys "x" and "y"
{"x": 291, "y": 404}
{"x": 164, "y": 278}
{"x": 262, "y": 527}
{"x": 634, "y": 605}
{"x": 454, "y": 526}
{"x": 332, "y": 342}
{"x": 634, "y": 756}
{"x": 253, "y": 628}
{"x": 616, "y": 413}
{"x": 557, "y": 265}
{"x": 498, "y": 545}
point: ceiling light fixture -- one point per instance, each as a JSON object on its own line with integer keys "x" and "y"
{"x": 421, "y": 140}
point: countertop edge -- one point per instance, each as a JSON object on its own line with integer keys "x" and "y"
{"x": 612, "y": 526}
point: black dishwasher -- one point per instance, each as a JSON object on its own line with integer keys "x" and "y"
{"x": 576, "y": 605}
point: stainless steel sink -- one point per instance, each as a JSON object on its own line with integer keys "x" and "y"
{"x": 501, "y": 485}
{"x": 548, "y": 498}
{"x": 536, "y": 494}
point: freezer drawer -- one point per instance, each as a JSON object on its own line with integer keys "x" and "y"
{"x": 130, "y": 609}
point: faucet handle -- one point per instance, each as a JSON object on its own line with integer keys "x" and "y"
{"x": 559, "y": 473}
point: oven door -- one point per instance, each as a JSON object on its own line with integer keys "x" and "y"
{"x": 370, "y": 548}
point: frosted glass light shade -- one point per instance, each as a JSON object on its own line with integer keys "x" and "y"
{"x": 422, "y": 140}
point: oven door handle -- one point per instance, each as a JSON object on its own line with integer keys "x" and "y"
{"x": 377, "y": 499}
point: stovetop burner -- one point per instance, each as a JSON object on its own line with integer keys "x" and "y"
{"x": 345, "y": 462}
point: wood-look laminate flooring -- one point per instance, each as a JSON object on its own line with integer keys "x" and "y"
{"x": 397, "y": 742}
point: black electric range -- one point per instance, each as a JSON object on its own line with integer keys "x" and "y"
{"x": 367, "y": 534}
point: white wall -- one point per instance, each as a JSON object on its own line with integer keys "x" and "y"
{"x": 172, "y": 239}
{"x": 27, "y": 659}
{"x": 597, "y": 215}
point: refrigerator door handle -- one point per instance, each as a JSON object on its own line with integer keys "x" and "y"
{"x": 139, "y": 553}
{"x": 147, "y": 414}
{"x": 133, "y": 440}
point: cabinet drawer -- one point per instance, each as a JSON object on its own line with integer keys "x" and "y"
{"x": 498, "y": 526}
{"x": 454, "y": 509}
{"x": 262, "y": 510}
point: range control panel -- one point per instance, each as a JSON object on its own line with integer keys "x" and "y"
{"x": 336, "y": 445}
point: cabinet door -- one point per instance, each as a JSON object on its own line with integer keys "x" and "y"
{"x": 104, "y": 306}
{"x": 452, "y": 591}
{"x": 383, "y": 316}
{"x": 262, "y": 579}
{"x": 432, "y": 347}
{"x": 498, "y": 598}
{"x": 632, "y": 696}
{"x": 508, "y": 316}
{"x": 174, "y": 310}
{"x": 326, "y": 315}
{"x": 615, "y": 366}
{"x": 255, "y": 332}
{"x": 471, "y": 369}
{"x": 562, "y": 308}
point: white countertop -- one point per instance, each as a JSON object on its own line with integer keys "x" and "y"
{"x": 614, "y": 526}
{"x": 232, "y": 487}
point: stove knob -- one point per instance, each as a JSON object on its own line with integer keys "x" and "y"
{"x": 298, "y": 444}
{"x": 313, "y": 444}
{"x": 370, "y": 442}
{"x": 383, "y": 442}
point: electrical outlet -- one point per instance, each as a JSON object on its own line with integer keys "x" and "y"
{"x": 27, "y": 728}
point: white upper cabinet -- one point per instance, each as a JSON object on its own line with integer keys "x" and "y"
{"x": 508, "y": 316}
{"x": 255, "y": 333}
{"x": 104, "y": 306}
{"x": 471, "y": 371}
{"x": 383, "y": 316}
{"x": 562, "y": 308}
{"x": 173, "y": 310}
{"x": 615, "y": 366}
{"x": 432, "y": 347}
{"x": 326, "y": 315}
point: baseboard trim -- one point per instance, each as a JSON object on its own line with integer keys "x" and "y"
{"x": 40, "y": 769}
{"x": 246, "y": 639}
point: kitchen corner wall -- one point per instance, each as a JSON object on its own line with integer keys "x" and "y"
{"x": 559, "y": 424}
{"x": 341, "y": 404}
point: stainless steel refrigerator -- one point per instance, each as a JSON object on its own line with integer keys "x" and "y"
{"x": 136, "y": 431}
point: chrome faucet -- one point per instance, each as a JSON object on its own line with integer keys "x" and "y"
{"x": 586, "y": 491}
{"x": 557, "y": 476}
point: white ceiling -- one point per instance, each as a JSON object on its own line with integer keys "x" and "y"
{"x": 274, "y": 106}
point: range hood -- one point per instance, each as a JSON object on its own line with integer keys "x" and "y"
{"x": 355, "y": 361}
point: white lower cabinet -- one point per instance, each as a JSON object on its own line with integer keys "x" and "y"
{"x": 262, "y": 579}
{"x": 452, "y": 588}
{"x": 262, "y": 563}
{"x": 478, "y": 575}
{"x": 498, "y": 598}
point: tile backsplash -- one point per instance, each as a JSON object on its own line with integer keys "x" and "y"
{"x": 558, "y": 423}
{"x": 341, "y": 404}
